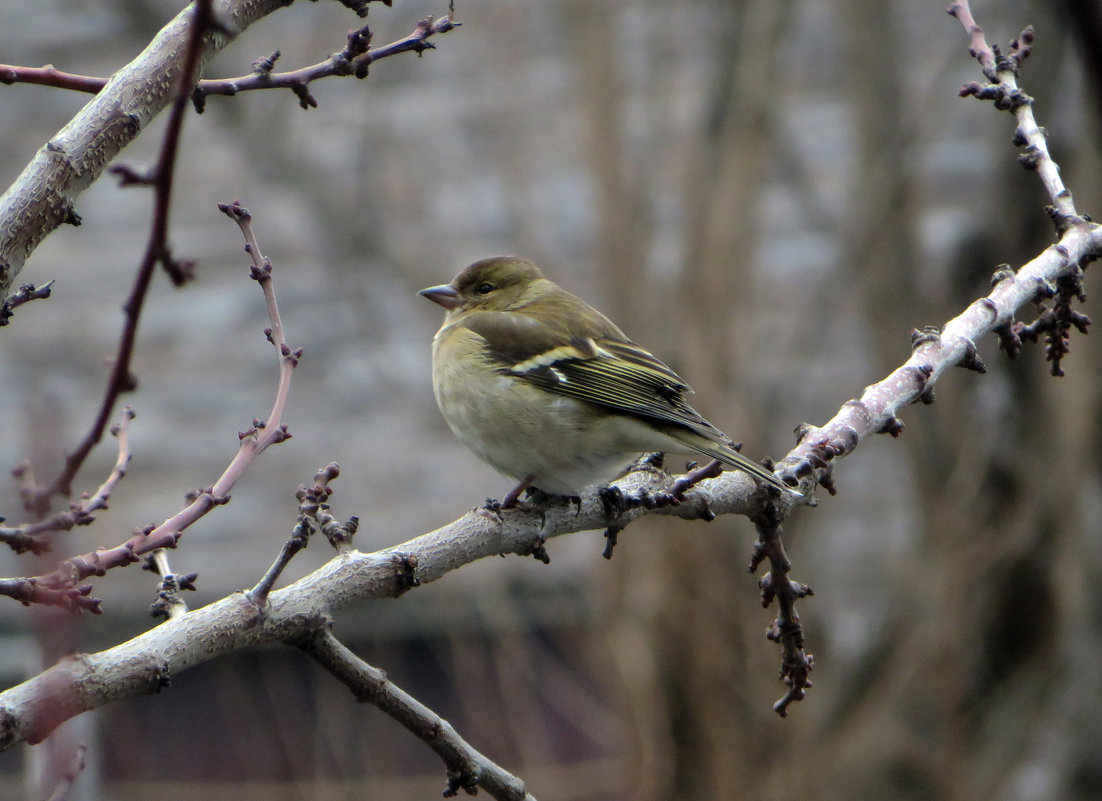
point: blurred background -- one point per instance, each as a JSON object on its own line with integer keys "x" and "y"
{"x": 770, "y": 195}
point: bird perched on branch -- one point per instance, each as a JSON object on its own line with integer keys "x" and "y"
{"x": 550, "y": 392}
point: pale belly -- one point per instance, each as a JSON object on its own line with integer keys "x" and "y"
{"x": 560, "y": 444}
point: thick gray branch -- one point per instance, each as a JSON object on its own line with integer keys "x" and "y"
{"x": 44, "y": 195}
{"x": 29, "y": 711}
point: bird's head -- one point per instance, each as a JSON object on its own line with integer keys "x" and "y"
{"x": 500, "y": 283}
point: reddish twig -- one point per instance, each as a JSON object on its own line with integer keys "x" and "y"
{"x": 34, "y": 591}
{"x": 354, "y": 60}
{"x": 252, "y": 443}
{"x": 65, "y": 781}
{"x": 47, "y": 75}
{"x": 32, "y": 536}
{"x": 156, "y": 252}
{"x": 978, "y": 47}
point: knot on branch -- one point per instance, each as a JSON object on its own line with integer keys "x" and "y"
{"x": 359, "y": 42}
{"x": 893, "y": 426}
{"x": 971, "y": 359}
{"x": 465, "y": 780}
{"x": 1061, "y": 220}
{"x": 922, "y": 375}
{"x": 1004, "y": 97}
{"x": 818, "y": 460}
{"x": 1003, "y": 272}
{"x": 168, "y": 602}
{"x": 1020, "y": 47}
{"x": 265, "y": 65}
{"x": 928, "y": 334}
{"x": 405, "y": 573}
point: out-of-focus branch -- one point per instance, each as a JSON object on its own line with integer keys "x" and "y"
{"x": 1055, "y": 272}
{"x": 65, "y": 781}
{"x": 468, "y": 770}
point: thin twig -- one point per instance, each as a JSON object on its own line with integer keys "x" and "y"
{"x": 48, "y": 75}
{"x": 252, "y": 442}
{"x": 66, "y": 780}
{"x": 775, "y": 585}
{"x": 24, "y": 294}
{"x": 350, "y": 62}
{"x": 299, "y": 539}
{"x": 31, "y": 536}
{"x": 1002, "y": 72}
{"x": 121, "y": 380}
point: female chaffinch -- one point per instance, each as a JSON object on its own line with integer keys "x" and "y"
{"x": 550, "y": 392}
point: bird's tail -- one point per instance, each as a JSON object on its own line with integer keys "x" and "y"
{"x": 732, "y": 458}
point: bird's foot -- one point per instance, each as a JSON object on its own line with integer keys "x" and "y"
{"x": 510, "y": 500}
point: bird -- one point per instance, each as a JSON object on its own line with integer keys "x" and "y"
{"x": 550, "y": 392}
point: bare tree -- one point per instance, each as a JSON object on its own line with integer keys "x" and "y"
{"x": 169, "y": 75}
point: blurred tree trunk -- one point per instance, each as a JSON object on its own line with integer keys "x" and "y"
{"x": 621, "y": 196}
{"x": 687, "y": 633}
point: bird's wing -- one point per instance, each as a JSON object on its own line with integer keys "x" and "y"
{"x": 597, "y": 364}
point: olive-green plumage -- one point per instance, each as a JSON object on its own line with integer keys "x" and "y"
{"x": 549, "y": 391}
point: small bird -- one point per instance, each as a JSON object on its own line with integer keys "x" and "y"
{"x": 550, "y": 392}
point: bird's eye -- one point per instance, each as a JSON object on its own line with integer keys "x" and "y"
{"x": 485, "y": 289}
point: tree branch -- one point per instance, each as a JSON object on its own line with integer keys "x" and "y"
{"x": 468, "y": 770}
{"x": 353, "y": 60}
{"x": 157, "y": 252}
{"x": 253, "y": 441}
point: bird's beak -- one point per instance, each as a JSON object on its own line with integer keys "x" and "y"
{"x": 444, "y": 294}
